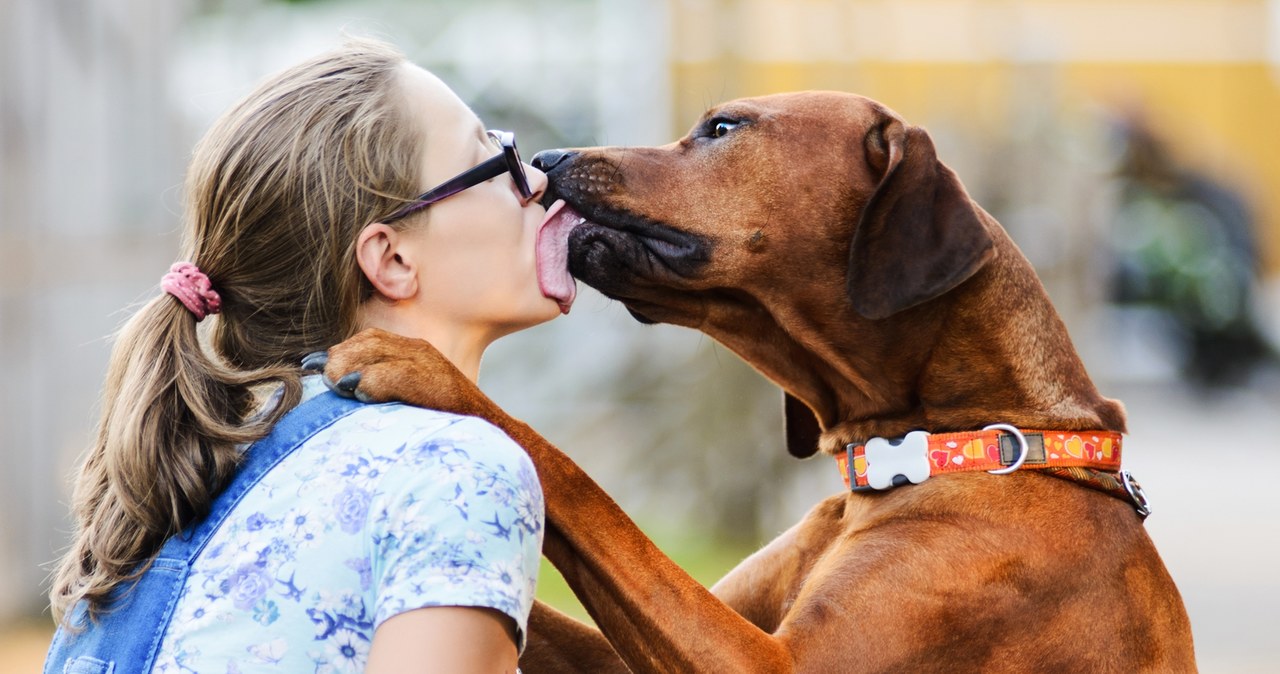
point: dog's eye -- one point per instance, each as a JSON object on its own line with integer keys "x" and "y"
{"x": 720, "y": 128}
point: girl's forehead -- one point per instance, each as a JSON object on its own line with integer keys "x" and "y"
{"x": 428, "y": 96}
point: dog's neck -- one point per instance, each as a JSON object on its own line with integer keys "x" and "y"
{"x": 993, "y": 350}
{"x": 998, "y": 353}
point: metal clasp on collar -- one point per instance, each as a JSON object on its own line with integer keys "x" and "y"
{"x": 1022, "y": 448}
{"x": 1139, "y": 497}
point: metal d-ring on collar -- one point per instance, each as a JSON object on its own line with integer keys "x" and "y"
{"x": 1022, "y": 448}
{"x": 1139, "y": 497}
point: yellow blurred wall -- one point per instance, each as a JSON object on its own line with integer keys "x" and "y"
{"x": 1205, "y": 73}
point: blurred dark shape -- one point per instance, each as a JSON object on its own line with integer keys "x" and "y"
{"x": 1185, "y": 246}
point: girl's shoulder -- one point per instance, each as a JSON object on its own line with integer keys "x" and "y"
{"x": 414, "y": 435}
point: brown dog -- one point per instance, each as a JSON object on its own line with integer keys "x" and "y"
{"x": 818, "y": 236}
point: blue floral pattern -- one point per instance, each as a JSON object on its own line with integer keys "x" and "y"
{"x": 390, "y": 509}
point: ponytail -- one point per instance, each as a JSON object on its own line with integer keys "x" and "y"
{"x": 166, "y": 444}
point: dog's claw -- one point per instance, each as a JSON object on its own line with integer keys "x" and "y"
{"x": 349, "y": 383}
{"x": 346, "y": 386}
{"x": 315, "y": 361}
{"x": 328, "y": 383}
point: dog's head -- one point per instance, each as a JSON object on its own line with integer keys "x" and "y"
{"x": 775, "y": 219}
{"x": 768, "y": 188}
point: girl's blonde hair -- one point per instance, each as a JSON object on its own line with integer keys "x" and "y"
{"x": 277, "y": 193}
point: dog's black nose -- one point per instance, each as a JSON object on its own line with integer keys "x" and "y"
{"x": 548, "y": 159}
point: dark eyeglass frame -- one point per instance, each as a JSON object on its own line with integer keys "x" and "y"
{"x": 507, "y": 161}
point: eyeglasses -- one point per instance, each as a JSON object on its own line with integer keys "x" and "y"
{"x": 507, "y": 161}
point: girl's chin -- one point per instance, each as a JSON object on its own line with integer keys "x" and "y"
{"x": 542, "y": 310}
{"x": 550, "y": 308}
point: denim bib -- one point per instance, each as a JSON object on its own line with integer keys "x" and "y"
{"x": 127, "y": 636}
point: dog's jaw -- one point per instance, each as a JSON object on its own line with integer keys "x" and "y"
{"x": 620, "y": 252}
{"x": 624, "y": 255}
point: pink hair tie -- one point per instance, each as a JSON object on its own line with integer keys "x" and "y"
{"x": 186, "y": 282}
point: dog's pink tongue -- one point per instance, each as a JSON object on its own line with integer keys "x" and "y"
{"x": 553, "y": 254}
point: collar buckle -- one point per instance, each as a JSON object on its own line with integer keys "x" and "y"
{"x": 891, "y": 463}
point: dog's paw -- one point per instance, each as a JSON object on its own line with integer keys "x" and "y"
{"x": 379, "y": 366}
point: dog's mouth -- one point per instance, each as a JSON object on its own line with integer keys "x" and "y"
{"x": 611, "y": 251}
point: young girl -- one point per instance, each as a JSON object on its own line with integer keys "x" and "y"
{"x": 221, "y": 533}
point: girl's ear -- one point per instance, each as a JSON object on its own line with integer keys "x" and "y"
{"x": 382, "y": 256}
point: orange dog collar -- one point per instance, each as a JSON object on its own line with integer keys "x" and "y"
{"x": 1091, "y": 458}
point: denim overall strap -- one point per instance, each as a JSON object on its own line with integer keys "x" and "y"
{"x": 126, "y": 638}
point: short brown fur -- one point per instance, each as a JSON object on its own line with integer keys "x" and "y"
{"x": 823, "y": 242}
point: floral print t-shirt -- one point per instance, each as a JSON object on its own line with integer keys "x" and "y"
{"x": 390, "y": 509}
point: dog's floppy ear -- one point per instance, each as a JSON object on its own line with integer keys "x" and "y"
{"x": 919, "y": 235}
{"x": 801, "y": 426}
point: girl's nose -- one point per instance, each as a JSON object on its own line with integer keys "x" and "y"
{"x": 537, "y": 183}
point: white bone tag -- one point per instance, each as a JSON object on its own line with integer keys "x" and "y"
{"x": 909, "y": 458}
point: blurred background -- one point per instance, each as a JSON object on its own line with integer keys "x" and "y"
{"x": 1130, "y": 147}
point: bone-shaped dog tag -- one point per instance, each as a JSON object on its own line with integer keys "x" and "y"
{"x": 909, "y": 458}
